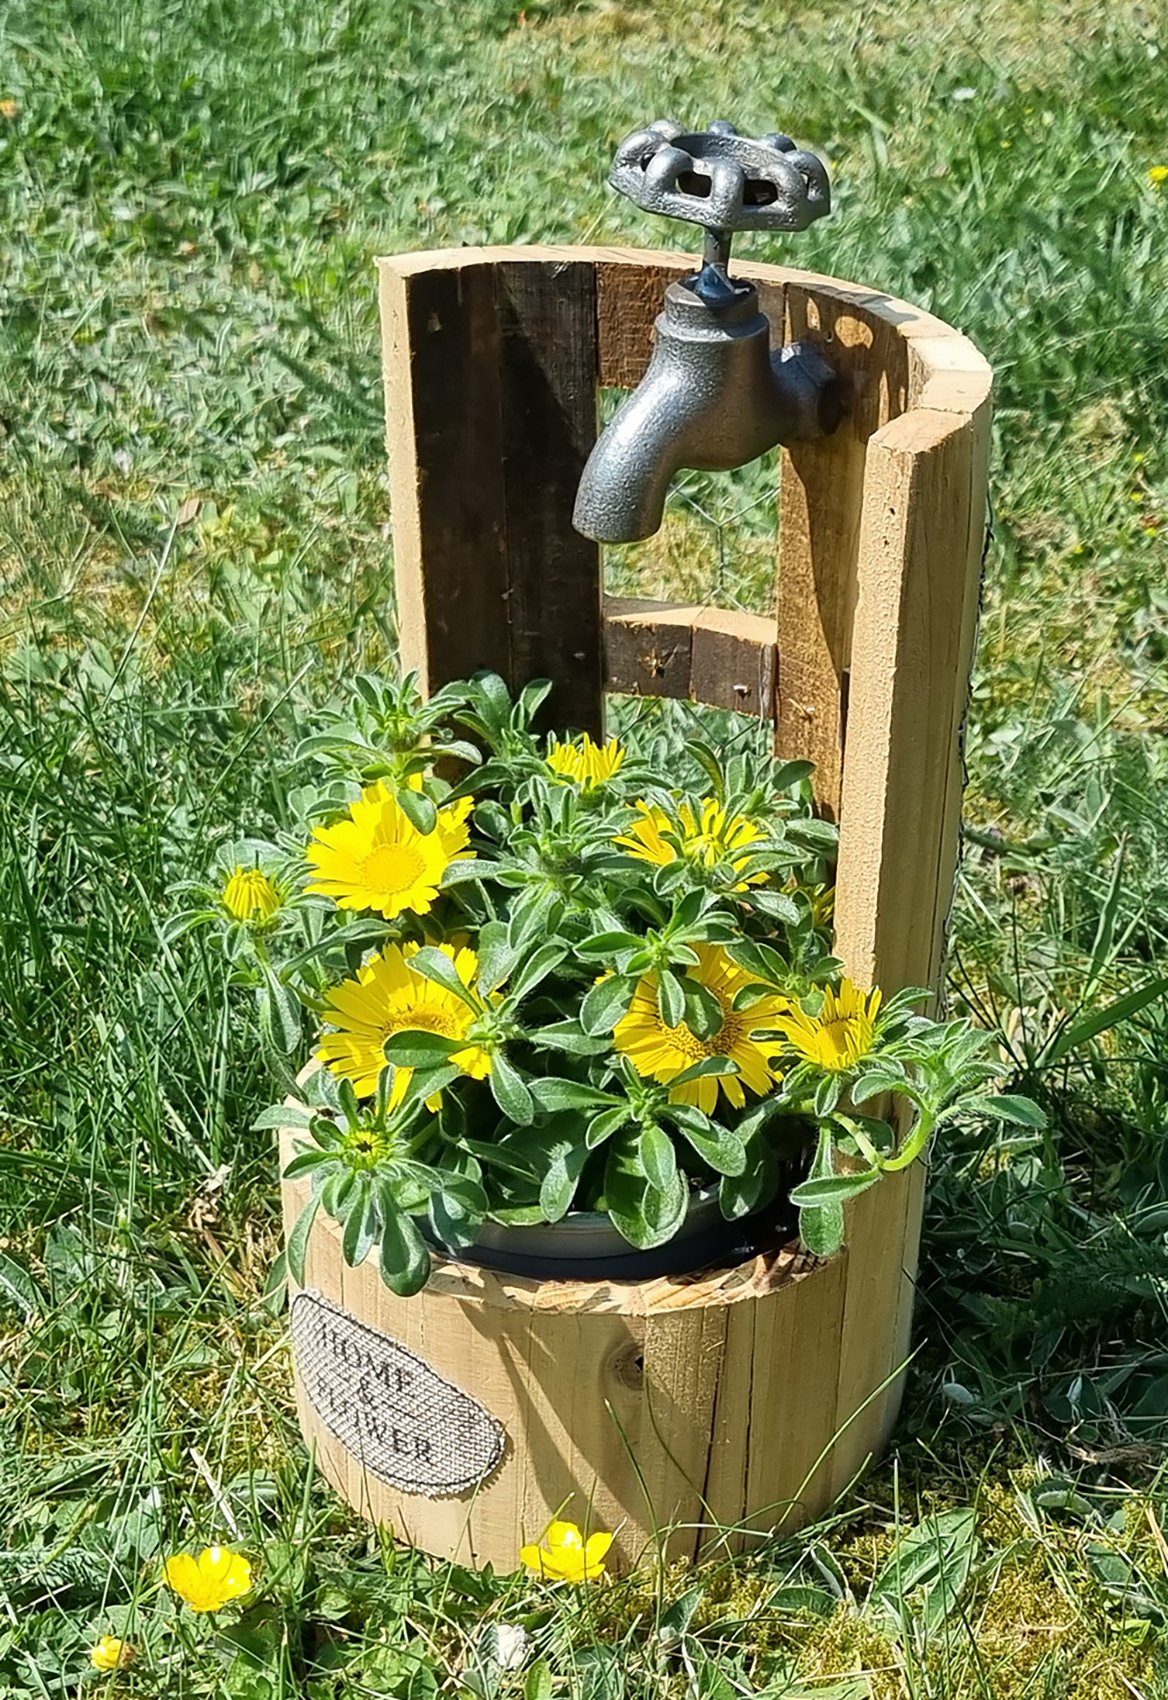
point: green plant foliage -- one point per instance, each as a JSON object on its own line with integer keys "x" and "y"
{"x": 612, "y": 989}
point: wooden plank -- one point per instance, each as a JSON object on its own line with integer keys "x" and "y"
{"x": 717, "y": 656}
{"x": 442, "y": 358}
{"x": 919, "y": 573}
{"x": 548, "y": 324}
{"x": 822, "y": 486}
{"x": 490, "y": 375}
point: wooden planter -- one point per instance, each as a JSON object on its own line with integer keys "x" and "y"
{"x": 744, "y": 1399}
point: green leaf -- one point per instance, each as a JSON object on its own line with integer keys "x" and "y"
{"x": 928, "y": 1567}
{"x": 606, "y": 945}
{"x": 603, "y": 1126}
{"x": 1101, "y": 1020}
{"x": 551, "y": 1093}
{"x": 18, "y": 1286}
{"x": 720, "y": 1066}
{"x": 418, "y": 809}
{"x": 439, "y": 968}
{"x": 875, "y": 1083}
{"x": 279, "y": 1013}
{"x": 658, "y": 1157}
{"x": 457, "y": 1212}
{"x": 828, "y": 1092}
{"x": 415, "y": 1048}
{"x": 741, "y": 1195}
{"x": 570, "y": 1037}
{"x": 538, "y": 1682}
{"x": 297, "y": 1247}
{"x": 833, "y": 1189}
{"x": 558, "y": 1187}
{"x": 496, "y": 956}
{"x": 821, "y": 1226}
{"x": 1005, "y": 1107}
{"x": 716, "y": 1145}
{"x": 360, "y": 1227}
{"x": 607, "y": 1001}
{"x": 670, "y": 998}
{"x": 405, "y": 1260}
{"x": 306, "y": 1160}
{"x": 282, "y": 1116}
{"x": 776, "y": 906}
{"x": 645, "y": 1216}
{"x": 703, "y": 1013}
{"x": 537, "y": 967}
{"x": 510, "y": 1091}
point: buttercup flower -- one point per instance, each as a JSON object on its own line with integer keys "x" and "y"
{"x": 659, "y": 1052}
{"x": 714, "y": 836}
{"x": 249, "y": 895}
{"x": 388, "y": 996}
{"x": 209, "y": 1582}
{"x": 565, "y": 1556}
{"x": 587, "y": 763}
{"x": 111, "y": 1654}
{"x": 377, "y": 859}
{"x": 842, "y": 1032}
{"x": 1157, "y": 175}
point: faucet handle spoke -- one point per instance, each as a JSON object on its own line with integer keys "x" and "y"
{"x": 721, "y": 180}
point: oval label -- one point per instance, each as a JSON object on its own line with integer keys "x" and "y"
{"x": 406, "y": 1423}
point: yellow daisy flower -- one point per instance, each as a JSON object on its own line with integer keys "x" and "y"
{"x": 208, "y": 1582}
{"x": 249, "y": 895}
{"x": 565, "y": 1556}
{"x": 377, "y": 859}
{"x": 709, "y": 838}
{"x": 111, "y": 1654}
{"x": 388, "y": 996}
{"x": 841, "y": 1034}
{"x": 587, "y": 764}
{"x": 659, "y": 1052}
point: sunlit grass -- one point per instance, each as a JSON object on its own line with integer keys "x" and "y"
{"x": 194, "y": 552}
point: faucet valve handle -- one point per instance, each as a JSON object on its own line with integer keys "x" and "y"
{"x": 721, "y": 180}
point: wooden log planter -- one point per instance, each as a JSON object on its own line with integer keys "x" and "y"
{"x": 713, "y": 1407}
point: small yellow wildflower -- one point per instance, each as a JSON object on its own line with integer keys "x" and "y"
{"x": 388, "y": 996}
{"x": 660, "y": 1052}
{"x": 249, "y": 895}
{"x": 209, "y": 1582}
{"x": 841, "y": 1034}
{"x": 708, "y": 839}
{"x": 587, "y": 764}
{"x": 375, "y": 858}
{"x": 111, "y": 1654}
{"x": 565, "y": 1556}
{"x": 1157, "y": 175}
{"x": 9, "y": 109}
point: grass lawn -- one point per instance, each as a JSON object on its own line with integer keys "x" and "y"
{"x": 193, "y": 537}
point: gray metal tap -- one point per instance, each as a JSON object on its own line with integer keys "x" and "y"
{"x": 715, "y": 395}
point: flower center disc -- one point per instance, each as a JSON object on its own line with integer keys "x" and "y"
{"x": 426, "y": 1018}
{"x": 392, "y": 867}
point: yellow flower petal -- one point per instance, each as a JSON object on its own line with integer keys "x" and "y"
{"x": 588, "y": 764}
{"x": 660, "y": 1052}
{"x": 708, "y": 838}
{"x": 388, "y": 996}
{"x": 249, "y": 895}
{"x": 841, "y": 1034}
{"x": 565, "y": 1556}
{"x": 375, "y": 858}
{"x": 111, "y": 1654}
{"x": 212, "y": 1580}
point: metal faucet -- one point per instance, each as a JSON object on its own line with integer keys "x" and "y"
{"x": 715, "y": 395}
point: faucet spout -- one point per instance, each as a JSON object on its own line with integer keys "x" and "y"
{"x": 713, "y": 398}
